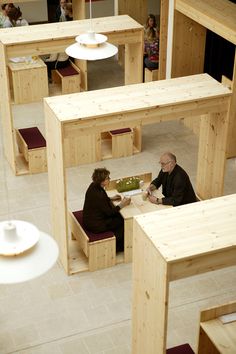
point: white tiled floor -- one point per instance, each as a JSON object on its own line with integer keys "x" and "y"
{"x": 90, "y": 313}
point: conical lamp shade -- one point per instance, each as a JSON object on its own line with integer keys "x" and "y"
{"x": 25, "y": 252}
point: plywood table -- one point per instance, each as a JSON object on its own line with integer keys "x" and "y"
{"x": 29, "y": 80}
{"x": 215, "y": 336}
{"x": 79, "y": 116}
{"x": 37, "y": 40}
{"x": 172, "y": 244}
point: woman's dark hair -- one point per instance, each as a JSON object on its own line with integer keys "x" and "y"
{"x": 99, "y": 175}
{"x": 151, "y": 16}
{"x": 14, "y": 14}
{"x": 10, "y": 5}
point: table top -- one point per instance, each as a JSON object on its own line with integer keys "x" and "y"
{"x": 221, "y": 335}
{"x": 138, "y": 205}
{"x": 138, "y": 97}
{"x": 192, "y": 230}
{"x": 28, "y": 64}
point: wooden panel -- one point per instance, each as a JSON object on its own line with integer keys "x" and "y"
{"x": 102, "y": 254}
{"x": 231, "y": 150}
{"x": 219, "y": 16}
{"x": 78, "y": 9}
{"x": 204, "y": 228}
{"x": 57, "y": 184}
{"x": 134, "y": 62}
{"x": 164, "y": 9}
{"x": 128, "y": 241}
{"x": 150, "y": 296}
{"x": 82, "y": 149}
{"x": 188, "y": 46}
{"x": 137, "y": 9}
{"x": 212, "y": 155}
{"x": 217, "y": 311}
{"x": 205, "y": 344}
{"x": 6, "y": 114}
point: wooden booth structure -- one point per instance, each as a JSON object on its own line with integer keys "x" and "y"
{"x": 191, "y": 20}
{"x": 132, "y": 106}
{"x": 191, "y": 239}
{"x": 55, "y": 37}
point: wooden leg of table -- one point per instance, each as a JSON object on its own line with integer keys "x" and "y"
{"x": 128, "y": 241}
{"x": 82, "y": 64}
{"x": 205, "y": 346}
{"x": 133, "y": 63}
{"x": 150, "y": 296}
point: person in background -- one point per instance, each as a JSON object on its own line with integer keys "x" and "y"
{"x": 56, "y": 61}
{"x": 99, "y": 213}
{"x": 19, "y": 20}
{"x": 68, "y": 11}
{"x": 3, "y": 13}
{"x": 176, "y": 186}
{"x": 60, "y": 12}
{"x": 151, "y": 43}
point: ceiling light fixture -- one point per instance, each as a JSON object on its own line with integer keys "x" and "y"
{"x": 91, "y": 45}
{"x": 25, "y": 252}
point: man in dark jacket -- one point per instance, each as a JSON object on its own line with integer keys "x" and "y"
{"x": 176, "y": 186}
{"x": 99, "y": 213}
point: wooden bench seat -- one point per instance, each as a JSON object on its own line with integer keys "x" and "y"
{"x": 122, "y": 142}
{"x": 32, "y": 145}
{"x": 180, "y": 349}
{"x": 68, "y": 77}
{"x": 150, "y": 74}
{"x": 100, "y": 249}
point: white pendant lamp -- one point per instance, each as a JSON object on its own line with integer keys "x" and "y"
{"x": 25, "y": 252}
{"x": 91, "y": 45}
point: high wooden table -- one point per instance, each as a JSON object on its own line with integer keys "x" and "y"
{"x": 172, "y": 244}
{"x": 86, "y": 114}
{"x": 37, "y": 40}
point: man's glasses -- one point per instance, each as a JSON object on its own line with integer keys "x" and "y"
{"x": 164, "y": 163}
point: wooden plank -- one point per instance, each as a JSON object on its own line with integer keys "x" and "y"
{"x": 196, "y": 89}
{"x": 164, "y": 9}
{"x": 231, "y": 150}
{"x": 217, "y": 311}
{"x": 219, "y": 16}
{"x": 204, "y": 228}
{"x": 57, "y": 185}
{"x": 150, "y": 296}
{"x": 6, "y": 114}
{"x": 211, "y": 156}
{"x": 188, "y": 46}
{"x": 137, "y": 9}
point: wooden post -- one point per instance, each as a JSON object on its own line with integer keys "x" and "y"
{"x": 163, "y": 38}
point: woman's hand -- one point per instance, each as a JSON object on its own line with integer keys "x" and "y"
{"x": 116, "y": 197}
{"x": 125, "y": 201}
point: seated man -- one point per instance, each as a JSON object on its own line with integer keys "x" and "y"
{"x": 176, "y": 186}
{"x": 99, "y": 213}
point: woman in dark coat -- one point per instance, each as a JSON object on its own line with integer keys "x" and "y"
{"x": 99, "y": 213}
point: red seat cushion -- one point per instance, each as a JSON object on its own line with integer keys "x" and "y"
{"x": 68, "y": 71}
{"x": 92, "y": 236}
{"x": 120, "y": 131}
{"x": 180, "y": 349}
{"x": 33, "y": 137}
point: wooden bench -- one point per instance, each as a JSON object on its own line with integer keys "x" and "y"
{"x": 122, "y": 142}
{"x": 100, "y": 249}
{"x": 180, "y": 349}
{"x": 32, "y": 145}
{"x": 68, "y": 77}
{"x": 151, "y": 75}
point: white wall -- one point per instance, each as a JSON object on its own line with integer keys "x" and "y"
{"x": 101, "y": 8}
{"x": 35, "y": 11}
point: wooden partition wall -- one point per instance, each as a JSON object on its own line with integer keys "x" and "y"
{"x": 191, "y": 20}
{"x": 130, "y": 106}
{"x": 191, "y": 239}
{"x": 19, "y": 41}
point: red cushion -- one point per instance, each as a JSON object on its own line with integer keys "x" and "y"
{"x": 33, "y": 137}
{"x": 120, "y": 131}
{"x": 68, "y": 71}
{"x": 92, "y": 236}
{"x": 180, "y": 349}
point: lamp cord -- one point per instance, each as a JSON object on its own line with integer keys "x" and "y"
{"x": 90, "y": 14}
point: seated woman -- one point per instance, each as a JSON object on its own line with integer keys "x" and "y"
{"x": 151, "y": 44}
{"x": 68, "y": 11}
{"x": 14, "y": 18}
{"x": 99, "y": 213}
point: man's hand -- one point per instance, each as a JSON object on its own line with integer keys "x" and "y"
{"x": 152, "y": 199}
{"x": 150, "y": 188}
